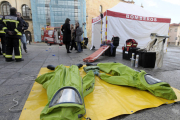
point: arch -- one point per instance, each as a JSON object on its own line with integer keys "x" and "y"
{"x": 5, "y": 8}
{"x": 25, "y": 11}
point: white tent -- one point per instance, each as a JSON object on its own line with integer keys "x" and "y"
{"x": 128, "y": 21}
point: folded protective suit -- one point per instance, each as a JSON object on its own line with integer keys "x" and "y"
{"x": 125, "y": 76}
{"x": 66, "y": 91}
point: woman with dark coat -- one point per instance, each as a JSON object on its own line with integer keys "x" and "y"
{"x": 66, "y": 34}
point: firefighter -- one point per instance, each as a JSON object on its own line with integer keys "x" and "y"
{"x": 2, "y": 36}
{"x": 13, "y": 36}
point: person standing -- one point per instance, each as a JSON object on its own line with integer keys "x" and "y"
{"x": 73, "y": 38}
{"x": 66, "y": 34}
{"x": 56, "y": 35}
{"x": 2, "y": 36}
{"x": 25, "y": 27}
{"x": 29, "y": 39}
{"x": 78, "y": 39}
{"x": 13, "y": 36}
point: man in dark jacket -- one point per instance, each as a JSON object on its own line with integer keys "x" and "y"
{"x": 66, "y": 34}
{"x": 25, "y": 27}
{"x": 13, "y": 36}
{"x": 2, "y": 36}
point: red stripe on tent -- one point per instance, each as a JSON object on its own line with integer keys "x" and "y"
{"x": 139, "y": 18}
{"x": 98, "y": 18}
{"x": 105, "y": 13}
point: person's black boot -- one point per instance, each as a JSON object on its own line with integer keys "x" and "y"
{"x": 68, "y": 52}
{"x": 9, "y": 60}
{"x": 51, "y": 67}
{"x": 79, "y": 65}
{"x": 19, "y": 60}
{"x": 91, "y": 64}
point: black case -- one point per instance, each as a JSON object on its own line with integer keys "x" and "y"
{"x": 147, "y": 59}
{"x": 128, "y": 54}
{"x": 108, "y": 52}
{"x": 115, "y": 41}
{"x": 85, "y": 43}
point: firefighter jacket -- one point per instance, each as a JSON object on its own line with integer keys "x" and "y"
{"x": 13, "y": 24}
{"x": 2, "y": 27}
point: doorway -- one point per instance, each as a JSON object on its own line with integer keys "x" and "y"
{"x": 28, "y": 36}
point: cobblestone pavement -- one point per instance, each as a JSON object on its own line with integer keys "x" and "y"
{"x": 16, "y": 79}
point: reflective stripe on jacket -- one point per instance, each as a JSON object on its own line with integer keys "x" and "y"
{"x": 2, "y": 26}
{"x": 13, "y": 24}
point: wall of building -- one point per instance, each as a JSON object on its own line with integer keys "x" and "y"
{"x": 19, "y": 9}
{"x": 174, "y": 34}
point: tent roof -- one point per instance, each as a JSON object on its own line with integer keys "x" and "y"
{"x": 133, "y": 12}
{"x": 128, "y": 8}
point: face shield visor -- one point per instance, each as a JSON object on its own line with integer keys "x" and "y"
{"x": 66, "y": 95}
{"x": 151, "y": 80}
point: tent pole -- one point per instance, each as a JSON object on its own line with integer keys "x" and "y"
{"x": 101, "y": 30}
{"x": 106, "y": 29}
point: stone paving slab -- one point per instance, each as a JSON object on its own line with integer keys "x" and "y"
{"x": 16, "y": 79}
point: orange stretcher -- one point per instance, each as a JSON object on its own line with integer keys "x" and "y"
{"x": 96, "y": 54}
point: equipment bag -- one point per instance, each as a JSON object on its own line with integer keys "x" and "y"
{"x": 115, "y": 41}
{"x": 131, "y": 43}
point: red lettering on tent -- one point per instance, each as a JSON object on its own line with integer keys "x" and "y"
{"x": 136, "y": 17}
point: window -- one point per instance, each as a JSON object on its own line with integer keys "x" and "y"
{"x": 42, "y": 32}
{"x": 25, "y": 11}
{"x": 5, "y": 8}
{"x": 100, "y": 8}
{"x": 50, "y": 32}
{"x": 66, "y": 95}
{"x": 175, "y": 29}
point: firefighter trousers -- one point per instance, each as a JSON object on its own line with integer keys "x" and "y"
{"x": 13, "y": 43}
{"x": 3, "y": 42}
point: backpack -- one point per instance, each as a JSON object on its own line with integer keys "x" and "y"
{"x": 130, "y": 43}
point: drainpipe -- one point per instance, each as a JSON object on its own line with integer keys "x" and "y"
{"x": 16, "y": 3}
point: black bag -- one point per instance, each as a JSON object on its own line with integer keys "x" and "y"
{"x": 115, "y": 41}
{"x": 147, "y": 59}
{"x": 85, "y": 43}
{"x": 127, "y": 52}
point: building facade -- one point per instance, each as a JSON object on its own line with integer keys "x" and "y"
{"x": 22, "y": 6}
{"x": 174, "y": 33}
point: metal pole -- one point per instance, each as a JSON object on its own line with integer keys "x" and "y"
{"x": 101, "y": 30}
